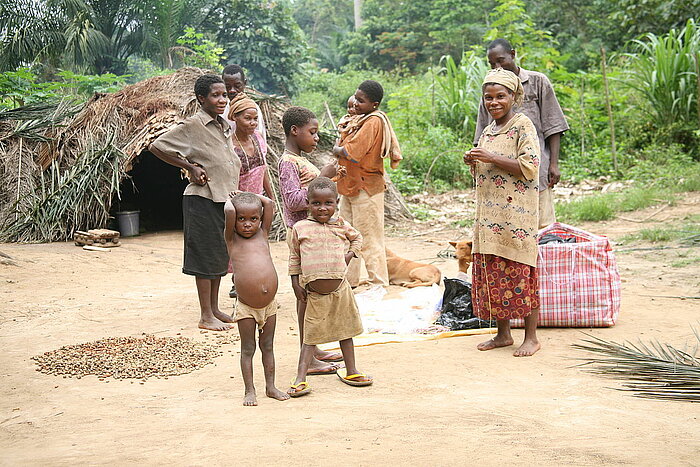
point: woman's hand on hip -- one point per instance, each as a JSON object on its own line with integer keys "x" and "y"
{"x": 198, "y": 175}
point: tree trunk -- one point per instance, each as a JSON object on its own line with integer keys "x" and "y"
{"x": 358, "y": 14}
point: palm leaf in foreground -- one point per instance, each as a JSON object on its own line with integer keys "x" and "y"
{"x": 655, "y": 370}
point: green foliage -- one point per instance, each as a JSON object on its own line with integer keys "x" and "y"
{"x": 461, "y": 223}
{"x": 22, "y": 87}
{"x": 591, "y": 208}
{"x": 534, "y": 46}
{"x": 663, "y": 71}
{"x": 163, "y": 24}
{"x": 262, "y": 36}
{"x": 18, "y": 88}
{"x": 652, "y": 16}
{"x": 410, "y": 35}
{"x": 406, "y": 182}
{"x": 420, "y": 212}
{"x": 689, "y": 227}
{"x": 325, "y": 23}
{"x": 142, "y": 68}
{"x": 644, "y": 194}
{"x": 334, "y": 89}
{"x": 198, "y": 51}
{"x": 435, "y": 157}
{"x": 642, "y": 197}
{"x": 655, "y": 235}
{"x": 459, "y": 91}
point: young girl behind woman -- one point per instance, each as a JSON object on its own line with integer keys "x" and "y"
{"x": 505, "y": 167}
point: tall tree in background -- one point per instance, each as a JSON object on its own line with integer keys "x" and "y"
{"x": 165, "y": 22}
{"x": 535, "y": 47}
{"x": 409, "y": 35}
{"x": 325, "y": 23}
{"x": 261, "y": 36}
{"x": 85, "y": 35}
{"x": 357, "y": 13}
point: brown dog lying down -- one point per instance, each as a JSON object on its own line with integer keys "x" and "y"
{"x": 463, "y": 254}
{"x": 410, "y": 274}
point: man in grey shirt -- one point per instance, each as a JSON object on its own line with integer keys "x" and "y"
{"x": 541, "y": 106}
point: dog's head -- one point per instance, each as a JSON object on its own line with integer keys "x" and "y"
{"x": 463, "y": 250}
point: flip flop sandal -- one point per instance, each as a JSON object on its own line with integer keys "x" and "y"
{"x": 337, "y": 358}
{"x": 350, "y": 379}
{"x": 331, "y": 370}
{"x": 306, "y": 390}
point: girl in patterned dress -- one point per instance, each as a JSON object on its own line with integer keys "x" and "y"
{"x": 505, "y": 167}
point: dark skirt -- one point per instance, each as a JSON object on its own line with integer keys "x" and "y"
{"x": 503, "y": 288}
{"x": 206, "y": 256}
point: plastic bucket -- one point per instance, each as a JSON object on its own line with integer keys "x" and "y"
{"x": 128, "y": 223}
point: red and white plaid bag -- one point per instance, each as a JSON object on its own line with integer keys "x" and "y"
{"x": 579, "y": 282}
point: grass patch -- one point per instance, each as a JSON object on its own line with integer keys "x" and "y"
{"x": 640, "y": 198}
{"x": 689, "y": 180}
{"x": 657, "y": 235}
{"x": 689, "y": 226}
{"x": 684, "y": 262}
{"x": 421, "y": 213}
{"x": 603, "y": 207}
{"x": 463, "y": 223}
{"x": 593, "y": 208}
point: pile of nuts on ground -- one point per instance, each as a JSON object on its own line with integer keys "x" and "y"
{"x": 128, "y": 357}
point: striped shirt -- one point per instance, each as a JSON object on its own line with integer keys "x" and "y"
{"x": 317, "y": 250}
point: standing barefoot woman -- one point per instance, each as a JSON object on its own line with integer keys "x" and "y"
{"x": 505, "y": 168}
{"x": 202, "y": 146}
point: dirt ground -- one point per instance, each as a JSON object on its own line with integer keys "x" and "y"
{"x": 433, "y": 403}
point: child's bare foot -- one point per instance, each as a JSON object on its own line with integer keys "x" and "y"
{"x": 250, "y": 400}
{"x": 275, "y": 393}
{"x": 495, "y": 343}
{"x": 528, "y": 348}
{"x": 214, "y": 325}
{"x": 223, "y": 317}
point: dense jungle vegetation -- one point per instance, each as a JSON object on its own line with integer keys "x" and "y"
{"x": 627, "y": 73}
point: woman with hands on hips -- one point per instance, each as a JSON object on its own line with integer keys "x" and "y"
{"x": 202, "y": 146}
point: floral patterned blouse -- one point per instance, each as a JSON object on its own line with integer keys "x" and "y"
{"x": 506, "y": 204}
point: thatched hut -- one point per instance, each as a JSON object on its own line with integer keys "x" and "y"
{"x": 67, "y": 167}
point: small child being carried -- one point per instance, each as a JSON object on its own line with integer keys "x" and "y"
{"x": 248, "y": 220}
{"x": 320, "y": 249}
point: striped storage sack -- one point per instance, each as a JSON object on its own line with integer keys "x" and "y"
{"x": 579, "y": 282}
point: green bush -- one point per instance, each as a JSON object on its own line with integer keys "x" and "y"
{"x": 593, "y": 208}
{"x": 334, "y": 89}
{"x": 435, "y": 157}
{"x": 405, "y": 181}
{"x": 21, "y": 87}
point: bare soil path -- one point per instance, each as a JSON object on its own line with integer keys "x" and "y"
{"x": 433, "y": 403}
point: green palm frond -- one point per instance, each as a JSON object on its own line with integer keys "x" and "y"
{"x": 655, "y": 370}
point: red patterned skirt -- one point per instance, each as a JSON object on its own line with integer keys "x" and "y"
{"x": 503, "y": 288}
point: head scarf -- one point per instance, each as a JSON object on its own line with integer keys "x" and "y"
{"x": 240, "y": 103}
{"x": 508, "y": 79}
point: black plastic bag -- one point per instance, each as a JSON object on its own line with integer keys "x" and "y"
{"x": 457, "y": 312}
{"x": 551, "y": 238}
